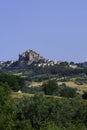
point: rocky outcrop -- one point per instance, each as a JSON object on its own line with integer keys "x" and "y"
{"x": 27, "y": 58}
{"x": 30, "y": 56}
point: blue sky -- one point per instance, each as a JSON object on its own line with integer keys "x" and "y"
{"x": 57, "y": 29}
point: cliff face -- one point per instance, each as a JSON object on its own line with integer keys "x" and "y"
{"x": 30, "y": 56}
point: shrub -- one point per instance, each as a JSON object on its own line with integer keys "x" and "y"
{"x": 84, "y": 96}
{"x": 66, "y": 91}
{"x": 50, "y": 87}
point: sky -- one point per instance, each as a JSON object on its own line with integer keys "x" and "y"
{"x": 56, "y": 29}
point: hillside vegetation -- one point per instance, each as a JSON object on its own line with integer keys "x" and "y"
{"x": 41, "y": 94}
{"x": 41, "y": 113}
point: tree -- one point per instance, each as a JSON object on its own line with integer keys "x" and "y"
{"x": 66, "y": 91}
{"x": 84, "y": 96}
{"x": 7, "y": 108}
{"x": 14, "y": 82}
{"x": 50, "y": 87}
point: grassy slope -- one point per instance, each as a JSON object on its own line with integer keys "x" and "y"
{"x": 17, "y": 96}
{"x": 72, "y": 84}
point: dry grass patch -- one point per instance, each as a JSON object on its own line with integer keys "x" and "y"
{"x": 80, "y": 88}
{"x": 35, "y": 84}
{"x": 17, "y": 95}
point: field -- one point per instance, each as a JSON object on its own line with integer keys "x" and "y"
{"x": 71, "y": 83}
{"x": 80, "y": 88}
{"x": 17, "y": 95}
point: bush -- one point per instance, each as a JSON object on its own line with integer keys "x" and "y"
{"x": 84, "y": 96}
{"x": 66, "y": 91}
{"x": 52, "y": 114}
{"x": 14, "y": 82}
{"x": 50, "y": 87}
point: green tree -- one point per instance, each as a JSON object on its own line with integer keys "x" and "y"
{"x": 7, "y": 108}
{"x": 84, "y": 96}
{"x": 14, "y": 82}
{"x": 50, "y": 87}
{"x": 66, "y": 91}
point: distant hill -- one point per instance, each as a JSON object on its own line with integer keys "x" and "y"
{"x": 32, "y": 66}
{"x": 27, "y": 58}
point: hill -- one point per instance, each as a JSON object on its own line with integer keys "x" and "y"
{"x": 35, "y": 69}
{"x": 27, "y": 58}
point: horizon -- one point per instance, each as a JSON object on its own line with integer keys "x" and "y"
{"x": 40, "y": 55}
{"x": 54, "y": 29}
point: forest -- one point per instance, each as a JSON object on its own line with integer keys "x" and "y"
{"x": 52, "y": 107}
{"x": 40, "y": 112}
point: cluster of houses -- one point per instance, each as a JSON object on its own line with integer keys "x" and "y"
{"x": 48, "y": 63}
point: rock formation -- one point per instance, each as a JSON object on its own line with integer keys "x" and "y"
{"x": 30, "y": 56}
{"x": 27, "y": 58}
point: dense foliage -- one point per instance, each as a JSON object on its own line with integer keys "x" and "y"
{"x": 84, "y": 96}
{"x": 66, "y": 91}
{"x": 15, "y": 82}
{"x": 49, "y": 113}
{"x": 35, "y": 73}
{"x": 41, "y": 113}
{"x": 7, "y": 108}
{"x": 62, "y": 69}
{"x": 50, "y": 87}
